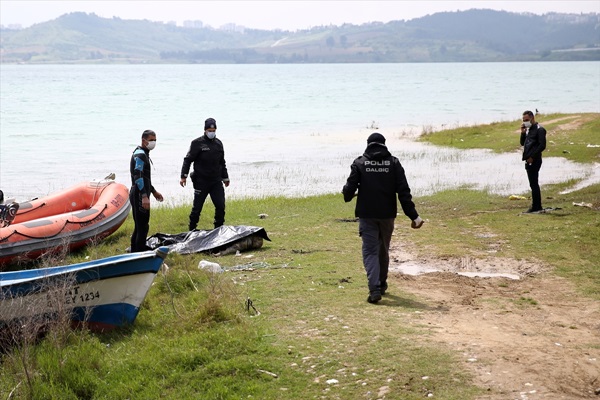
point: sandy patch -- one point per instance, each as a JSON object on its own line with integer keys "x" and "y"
{"x": 569, "y": 123}
{"x": 531, "y": 338}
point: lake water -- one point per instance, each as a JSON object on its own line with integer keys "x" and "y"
{"x": 289, "y": 130}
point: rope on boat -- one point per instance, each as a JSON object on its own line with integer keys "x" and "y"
{"x": 32, "y": 209}
{"x": 43, "y": 204}
{"x": 15, "y": 232}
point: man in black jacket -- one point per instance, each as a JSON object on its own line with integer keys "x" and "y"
{"x": 533, "y": 140}
{"x": 378, "y": 177}
{"x": 141, "y": 188}
{"x": 209, "y": 175}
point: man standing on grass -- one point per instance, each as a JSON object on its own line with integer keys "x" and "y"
{"x": 378, "y": 177}
{"x": 141, "y": 188}
{"x": 209, "y": 174}
{"x": 533, "y": 140}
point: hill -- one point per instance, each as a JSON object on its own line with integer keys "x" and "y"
{"x": 462, "y": 36}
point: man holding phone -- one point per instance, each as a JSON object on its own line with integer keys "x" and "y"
{"x": 533, "y": 140}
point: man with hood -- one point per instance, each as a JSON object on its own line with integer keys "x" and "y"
{"x": 209, "y": 175}
{"x": 378, "y": 177}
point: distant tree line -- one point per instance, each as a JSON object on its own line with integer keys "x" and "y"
{"x": 238, "y": 56}
{"x": 463, "y": 36}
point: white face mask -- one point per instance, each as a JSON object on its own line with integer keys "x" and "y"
{"x": 527, "y": 124}
{"x": 151, "y": 145}
{"x": 211, "y": 135}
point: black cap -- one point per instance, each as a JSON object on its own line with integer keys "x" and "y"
{"x": 376, "y": 138}
{"x": 210, "y": 123}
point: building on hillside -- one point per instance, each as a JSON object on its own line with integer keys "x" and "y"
{"x": 193, "y": 24}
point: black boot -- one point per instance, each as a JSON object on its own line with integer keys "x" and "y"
{"x": 384, "y": 288}
{"x": 374, "y": 296}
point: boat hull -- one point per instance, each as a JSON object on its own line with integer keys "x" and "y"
{"x": 69, "y": 219}
{"x": 102, "y": 294}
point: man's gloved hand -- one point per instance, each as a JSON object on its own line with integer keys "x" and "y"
{"x": 417, "y": 223}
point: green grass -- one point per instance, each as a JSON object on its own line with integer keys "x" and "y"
{"x": 526, "y": 302}
{"x": 193, "y": 337}
{"x": 568, "y": 136}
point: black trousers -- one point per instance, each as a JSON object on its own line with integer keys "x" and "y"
{"x": 217, "y": 195}
{"x": 533, "y": 173}
{"x": 376, "y": 236}
{"x": 141, "y": 220}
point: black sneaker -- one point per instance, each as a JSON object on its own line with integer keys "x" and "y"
{"x": 374, "y": 297}
{"x": 384, "y": 288}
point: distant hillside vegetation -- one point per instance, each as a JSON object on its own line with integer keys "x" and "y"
{"x": 462, "y": 36}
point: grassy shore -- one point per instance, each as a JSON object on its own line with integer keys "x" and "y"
{"x": 568, "y": 136}
{"x": 316, "y": 336}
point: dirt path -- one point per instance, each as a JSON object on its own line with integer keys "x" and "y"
{"x": 532, "y": 338}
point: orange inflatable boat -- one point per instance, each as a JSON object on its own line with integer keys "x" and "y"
{"x": 71, "y": 218}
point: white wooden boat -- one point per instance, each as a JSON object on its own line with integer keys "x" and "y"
{"x": 103, "y": 294}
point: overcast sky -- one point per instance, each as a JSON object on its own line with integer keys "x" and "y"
{"x": 281, "y": 14}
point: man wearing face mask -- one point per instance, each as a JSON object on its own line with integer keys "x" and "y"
{"x": 209, "y": 174}
{"x": 533, "y": 140}
{"x": 141, "y": 188}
